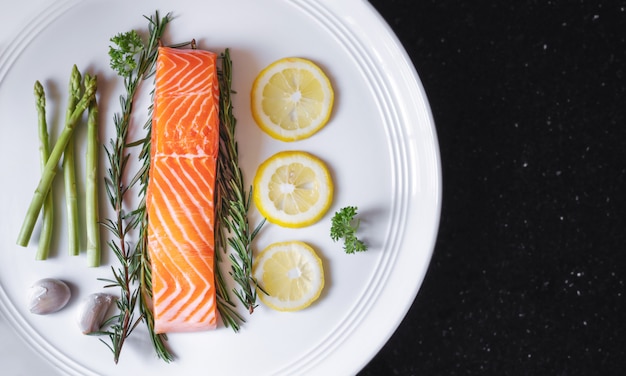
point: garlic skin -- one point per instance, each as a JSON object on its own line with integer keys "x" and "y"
{"x": 48, "y": 295}
{"x": 92, "y": 311}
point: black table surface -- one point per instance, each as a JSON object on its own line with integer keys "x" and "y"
{"x": 527, "y": 276}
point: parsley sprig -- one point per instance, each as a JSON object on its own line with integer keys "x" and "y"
{"x": 126, "y": 52}
{"x": 344, "y": 226}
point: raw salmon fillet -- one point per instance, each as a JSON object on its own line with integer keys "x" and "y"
{"x": 180, "y": 195}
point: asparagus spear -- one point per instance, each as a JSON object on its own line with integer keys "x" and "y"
{"x": 91, "y": 189}
{"x": 49, "y": 172}
{"x": 69, "y": 167}
{"x": 44, "y": 152}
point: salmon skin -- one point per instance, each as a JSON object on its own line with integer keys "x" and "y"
{"x": 181, "y": 188}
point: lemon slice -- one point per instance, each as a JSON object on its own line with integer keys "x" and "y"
{"x": 292, "y": 189}
{"x": 291, "y": 273}
{"x": 291, "y": 99}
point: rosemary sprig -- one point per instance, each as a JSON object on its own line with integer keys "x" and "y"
{"x": 225, "y": 305}
{"x": 145, "y": 279}
{"x": 142, "y": 257}
{"x": 232, "y": 206}
{"x": 133, "y": 61}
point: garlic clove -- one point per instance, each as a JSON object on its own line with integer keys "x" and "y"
{"x": 92, "y": 311}
{"x": 48, "y": 295}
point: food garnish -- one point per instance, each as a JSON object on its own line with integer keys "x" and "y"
{"x": 291, "y": 273}
{"x": 48, "y": 295}
{"x": 232, "y": 206}
{"x": 133, "y": 61}
{"x": 293, "y": 189}
{"x": 344, "y": 226}
{"x": 291, "y": 99}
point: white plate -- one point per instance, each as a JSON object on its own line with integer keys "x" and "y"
{"x": 380, "y": 145}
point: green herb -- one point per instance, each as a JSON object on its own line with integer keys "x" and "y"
{"x": 344, "y": 226}
{"x": 225, "y": 305}
{"x": 133, "y": 61}
{"x": 232, "y": 205}
{"x": 44, "y": 152}
{"x": 124, "y": 56}
{"x": 140, "y": 221}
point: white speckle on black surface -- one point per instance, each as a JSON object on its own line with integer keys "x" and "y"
{"x": 528, "y": 272}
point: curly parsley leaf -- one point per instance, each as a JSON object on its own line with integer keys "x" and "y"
{"x": 344, "y": 226}
{"x": 124, "y": 57}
